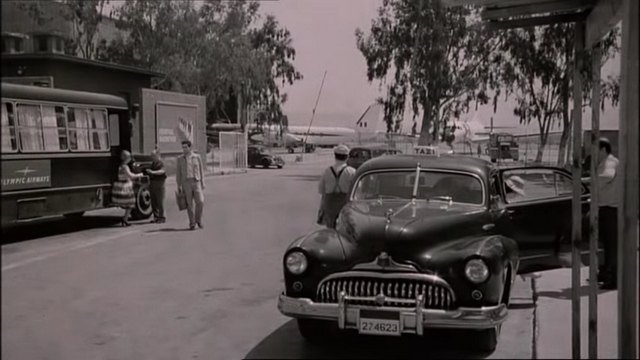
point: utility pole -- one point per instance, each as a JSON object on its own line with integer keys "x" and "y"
{"x": 313, "y": 114}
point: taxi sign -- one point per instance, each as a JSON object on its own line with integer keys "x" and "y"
{"x": 425, "y": 150}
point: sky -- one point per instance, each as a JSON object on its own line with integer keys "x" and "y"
{"x": 323, "y": 34}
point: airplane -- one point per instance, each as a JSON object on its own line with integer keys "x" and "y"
{"x": 295, "y": 136}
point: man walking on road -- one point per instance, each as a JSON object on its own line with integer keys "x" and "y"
{"x": 608, "y": 187}
{"x": 157, "y": 176}
{"x": 190, "y": 180}
{"x": 334, "y": 185}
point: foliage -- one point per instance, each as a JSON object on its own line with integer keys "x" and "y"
{"x": 216, "y": 51}
{"x": 438, "y": 56}
{"x": 537, "y": 67}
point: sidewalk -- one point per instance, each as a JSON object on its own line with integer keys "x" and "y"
{"x": 553, "y": 316}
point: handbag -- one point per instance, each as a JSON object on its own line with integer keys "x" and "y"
{"x": 181, "y": 200}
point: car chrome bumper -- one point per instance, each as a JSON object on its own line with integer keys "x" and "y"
{"x": 412, "y": 320}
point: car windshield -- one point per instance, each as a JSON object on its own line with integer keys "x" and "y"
{"x": 432, "y": 186}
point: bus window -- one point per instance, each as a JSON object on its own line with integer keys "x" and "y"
{"x": 30, "y": 128}
{"x": 9, "y": 139}
{"x": 99, "y": 130}
{"x": 78, "y": 125}
{"x": 54, "y": 128}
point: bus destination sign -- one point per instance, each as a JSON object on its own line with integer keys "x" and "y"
{"x": 26, "y": 174}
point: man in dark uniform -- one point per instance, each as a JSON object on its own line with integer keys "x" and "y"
{"x": 157, "y": 176}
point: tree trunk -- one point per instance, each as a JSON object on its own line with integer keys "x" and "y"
{"x": 425, "y": 137}
{"x": 566, "y": 119}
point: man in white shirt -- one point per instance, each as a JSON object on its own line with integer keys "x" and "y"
{"x": 608, "y": 187}
{"x": 334, "y": 186}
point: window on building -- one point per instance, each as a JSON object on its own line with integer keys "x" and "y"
{"x": 11, "y": 44}
{"x": 9, "y": 139}
{"x": 58, "y": 45}
{"x": 99, "y": 130}
{"x": 78, "y": 125}
{"x": 54, "y": 128}
{"x": 30, "y": 128}
{"x": 41, "y": 43}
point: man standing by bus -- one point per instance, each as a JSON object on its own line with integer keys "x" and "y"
{"x": 157, "y": 176}
{"x": 334, "y": 185}
{"x": 190, "y": 180}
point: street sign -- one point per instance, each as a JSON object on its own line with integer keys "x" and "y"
{"x": 425, "y": 150}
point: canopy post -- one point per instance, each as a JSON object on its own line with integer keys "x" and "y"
{"x": 628, "y": 172}
{"x": 593, "y": 212}
{"x": 576, "y": 208}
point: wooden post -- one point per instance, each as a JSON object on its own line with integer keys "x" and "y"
{"x": 628, "y": 173}
{"x": 593, "y": 218}
{"x": 576, "y": 228}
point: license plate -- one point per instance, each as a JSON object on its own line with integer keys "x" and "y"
{"x": 379, "y": 327}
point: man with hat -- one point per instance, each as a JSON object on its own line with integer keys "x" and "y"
{"x": 333, "y": 186}
{"x": 608, "y": 190}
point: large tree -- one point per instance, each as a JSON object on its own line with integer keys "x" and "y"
{"x": 435, "y": 55}
{"x": 219, "y": 51}
{"x": 84, "y": 16}
{"x": 537, "y": 68}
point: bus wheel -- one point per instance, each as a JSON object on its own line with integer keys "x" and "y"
{"x": 143, "y": 207}
{"x": 75, "y": 215}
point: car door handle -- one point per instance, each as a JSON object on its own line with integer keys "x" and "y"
{"x": 511, "y": 212}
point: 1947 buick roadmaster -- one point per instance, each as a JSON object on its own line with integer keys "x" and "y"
{"x": 428, "y": 242}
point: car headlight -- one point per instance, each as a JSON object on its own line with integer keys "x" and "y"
{"x": 296, "y": 263}
{"x": 476, "y": 271}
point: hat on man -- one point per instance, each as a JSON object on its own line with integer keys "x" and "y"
{"x": 341, "y": 150}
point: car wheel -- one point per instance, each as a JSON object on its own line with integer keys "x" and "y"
{"x": 74, "y": 216}
{"x": 314, "y": 331}
{"x": 143, "y": 209}
{"x": 265, "y": 164}
{"x": 279, "y": 166}
{"x": 290, "y": 150}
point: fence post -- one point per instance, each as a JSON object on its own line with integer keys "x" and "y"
{"x": 576, "y": 228}
{"x": 593, "y": 217}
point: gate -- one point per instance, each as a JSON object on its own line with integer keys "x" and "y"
{"x": 232, "y": 151}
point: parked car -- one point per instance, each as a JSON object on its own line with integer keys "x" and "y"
{"x": 428, "y": 242}
{"x": 260, "y": 156}
{"x": 358, "y": 155}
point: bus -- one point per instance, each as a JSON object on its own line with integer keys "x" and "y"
{"x": 60, "y": 153}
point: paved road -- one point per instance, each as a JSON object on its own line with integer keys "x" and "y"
{"x": 99, "y": 291}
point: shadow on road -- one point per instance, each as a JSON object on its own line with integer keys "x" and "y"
{"x": 286, "y": 343}
{"x": 55, "y": 226}
{"x": 565, "y": 294}
{"x": 304, "y": 177}
{"x": 167, "y": 230}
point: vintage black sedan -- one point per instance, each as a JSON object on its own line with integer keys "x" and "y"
{"x": 428, "y": 242}
{"x": 260, "y": 156}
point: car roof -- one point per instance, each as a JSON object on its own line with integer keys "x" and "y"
{"x": 372, "y": 147}
{"x": 468, "y": 164}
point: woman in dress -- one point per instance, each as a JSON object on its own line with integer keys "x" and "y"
{"x": 122, "y": 193}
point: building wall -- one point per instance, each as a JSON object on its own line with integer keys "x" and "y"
{"x": 149, "y": 117}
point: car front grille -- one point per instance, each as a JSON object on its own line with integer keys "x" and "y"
{"x": 399, "y": 290}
